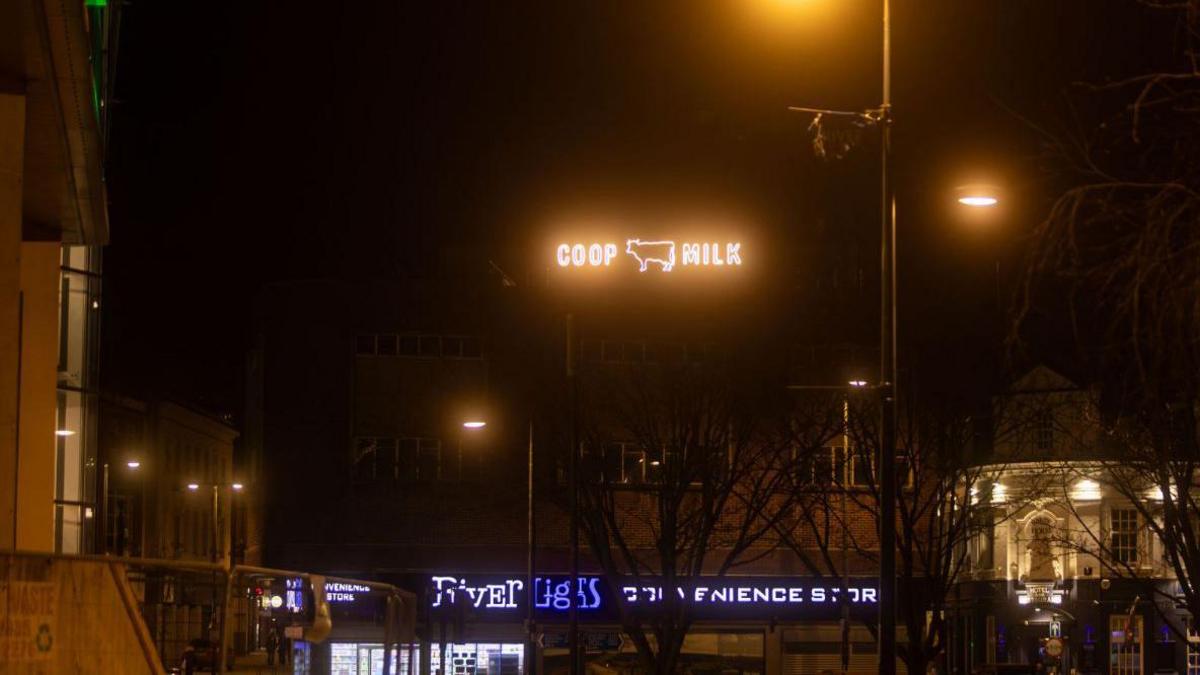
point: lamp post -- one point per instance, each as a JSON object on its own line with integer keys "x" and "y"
{"x": 531, "y": 534}
{"x": 887, "y": 369}
{"x": 226, "y": 557}
{"x": 132, "y": 465}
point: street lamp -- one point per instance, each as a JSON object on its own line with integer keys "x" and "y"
{"x": 530, "y": 626}
{"x": 132, "y": 464}
{"x": 234, "y": 487}
{"x": 882, "y": 118}
{"x": 226, "y": 555}
{"x": 978, "y": 196}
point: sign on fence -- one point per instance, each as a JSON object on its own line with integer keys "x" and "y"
{"x": 28, "y": 613}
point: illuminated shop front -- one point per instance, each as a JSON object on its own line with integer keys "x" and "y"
{"x": 742, "y": 625}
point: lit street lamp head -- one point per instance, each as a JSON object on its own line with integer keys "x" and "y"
{"x": 237, "y": 486}
{"x": 474, "y": 424}
{"x": 193, "y": 486}
{"x": 133, "y": 464}
{"x": 978, "y": 196}
{"x": 978, "y": 201}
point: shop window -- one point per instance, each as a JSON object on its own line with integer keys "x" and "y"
{"x": 478, "y": 659}
{"x": 1123, "y": 536}
{"x": 1125, "y": 644}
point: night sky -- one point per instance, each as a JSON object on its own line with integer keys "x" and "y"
{"x": 257, "y": 142}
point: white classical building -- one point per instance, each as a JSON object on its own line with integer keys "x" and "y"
{"x": 1064, "y": 569}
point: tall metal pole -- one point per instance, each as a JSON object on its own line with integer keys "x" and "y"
{"x": 573, "y": 478}
{"x": 104, "y": 510}
{"x": 215, "y": 522}
{"x": 887, "y": 374}
{"x": 530, "y": 625}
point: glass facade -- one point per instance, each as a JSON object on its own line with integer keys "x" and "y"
{"x": 78, "y": 399}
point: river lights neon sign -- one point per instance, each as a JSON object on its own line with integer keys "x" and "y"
{"x": 505, "y": 594}
{"x": 555, "y": 593}
{"x": 661, "y": 254}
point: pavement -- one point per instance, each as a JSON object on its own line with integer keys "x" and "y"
{"x": 256, "y": 662}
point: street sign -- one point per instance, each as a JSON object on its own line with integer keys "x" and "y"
{"x": 1054, "y": 647}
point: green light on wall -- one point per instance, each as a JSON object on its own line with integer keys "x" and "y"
{"x": 95, "y": 3}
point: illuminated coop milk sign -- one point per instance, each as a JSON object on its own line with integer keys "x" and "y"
{"x": 662, "y": 255}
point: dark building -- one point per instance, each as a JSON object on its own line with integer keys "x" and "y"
{"x": 358, "y": 399}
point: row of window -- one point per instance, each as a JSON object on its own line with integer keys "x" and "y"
{"x": 629, "y": 464}
{"x": 426, "y": 460}
{"x": 643, "y": 351}
{"x": 413, "y": 345}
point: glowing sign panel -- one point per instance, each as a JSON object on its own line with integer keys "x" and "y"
{"x": 663, "y": 255}
{"x": 339, "y": 592}
{"x": 507, "y": 593}
{"x": 717, "y": 596}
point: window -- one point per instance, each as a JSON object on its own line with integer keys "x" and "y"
{"x": 418, "y": 346}
{"x": 1123, "y": 535}
{"x": 986, "y": 558}
{"x": 409, "y": 345}
{"x": 1193, "y": 649}
{"x": 1043, "y": 430}
{"x": 612, "y": 352}
{"x": 1125, "y": 644}
{"x": 861, "y": 468}
{"x": 364, "y": 345}
{"x": 429, "y": 454}
{"x": 386, "y": 345}
{"x": 430, "y": 345}
{"x": 633, "y": 465}
{"x": 460, "y": 347}
{"x": 403, "y": 459}
{"x": 635, "y": 352}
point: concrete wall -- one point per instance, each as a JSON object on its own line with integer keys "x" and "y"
{"x": 39, "y": 361}
{"x": 12, "y": 153}
{"x": 70, "y": 616}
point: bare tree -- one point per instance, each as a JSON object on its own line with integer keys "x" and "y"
{"x": 938, "y": 512}
{"x": 1122, "y": 245}
{"x": 682, "y": 476}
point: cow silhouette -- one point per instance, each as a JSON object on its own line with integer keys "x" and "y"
{"x": 646, "y": 252}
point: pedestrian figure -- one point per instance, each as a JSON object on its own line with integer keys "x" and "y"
{"x": 283, "y": 648}
{"x": 272, "y": 645}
